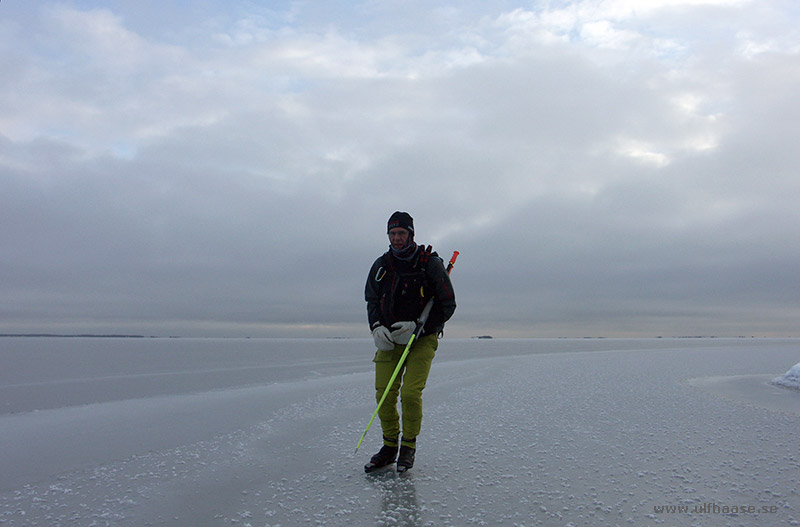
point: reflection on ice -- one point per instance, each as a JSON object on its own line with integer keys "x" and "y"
{"x": 398, "y": 498}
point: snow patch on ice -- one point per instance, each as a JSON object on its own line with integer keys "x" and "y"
{"x": 790, "y": 379}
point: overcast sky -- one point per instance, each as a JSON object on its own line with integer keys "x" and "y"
{"x": 226, "y": 168}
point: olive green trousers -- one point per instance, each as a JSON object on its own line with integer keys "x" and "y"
{"x": 409, "y": 383}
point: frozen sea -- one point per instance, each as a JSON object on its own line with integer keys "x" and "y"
{"x": 261, "y": 432}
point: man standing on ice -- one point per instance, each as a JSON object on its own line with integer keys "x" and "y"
{"x": 399, "y": 284}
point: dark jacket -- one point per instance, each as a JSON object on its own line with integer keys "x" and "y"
{"x": 397, "y": 290}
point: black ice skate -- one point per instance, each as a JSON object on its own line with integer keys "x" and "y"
{"x": 406, "y": 458}
{"x": 386, "y": 456}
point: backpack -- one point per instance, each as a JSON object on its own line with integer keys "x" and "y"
{"x": 404, "y": 286}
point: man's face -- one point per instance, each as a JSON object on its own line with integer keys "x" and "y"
{"x": 398, "y": 237}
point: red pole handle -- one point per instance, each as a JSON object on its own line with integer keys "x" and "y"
{"x": 452, "y": 261}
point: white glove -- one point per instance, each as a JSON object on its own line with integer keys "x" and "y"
{"x": 403, "y": 331}
{"x": 383, "y": 339}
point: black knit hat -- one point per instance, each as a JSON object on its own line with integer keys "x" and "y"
{"x": 402, "y": 220}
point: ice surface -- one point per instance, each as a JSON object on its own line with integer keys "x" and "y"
{"x": 187, "y": 432}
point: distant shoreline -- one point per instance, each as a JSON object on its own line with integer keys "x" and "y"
{"x": 54, "y": 335}
{"x": 480, "y": 337}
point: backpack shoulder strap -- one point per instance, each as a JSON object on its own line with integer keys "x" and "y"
{"x": 424, "y": 256}
{"x": 384, "y": 267}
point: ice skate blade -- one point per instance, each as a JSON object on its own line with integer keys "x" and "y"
{"x": 368, "y": 469}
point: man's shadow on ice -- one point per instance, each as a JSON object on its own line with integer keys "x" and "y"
{"x": 399, "y": 498}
